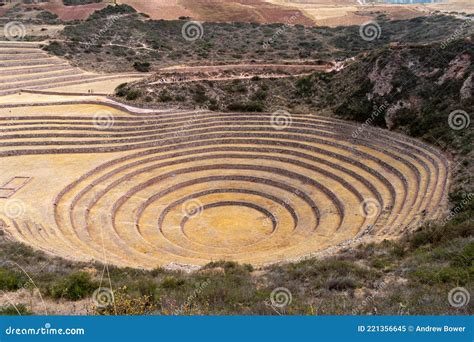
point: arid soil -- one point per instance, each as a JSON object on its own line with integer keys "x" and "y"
{"x": 220, "y": 10}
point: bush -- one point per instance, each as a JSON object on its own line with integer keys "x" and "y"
{"x": 48, "y": 17}
{"x": 10, "y": 281}
{"x": 133, "y": 94}
{"x": 259, "y": 95}
{"x": 121, "y": 90}
{"x": 200, "y": 94}
{"x": 251, "y": 106}
{"x": 171, "y": 282}
{"x": 465, "y": 257}
{"x": 74, "y": 287}
{"x": 147, "y": 287}
{"x": 165, "y": 96}
{"x": 56, "y": 48}
{"x": 436, "y": 234}
{"x": 304, "y": 86}
{"x": 435, "y": 276}
{"x": 112, "y": 10}
{"x": 17, "y": 310}
{"x": 142, "y": 66}
{"x": 341, "y": 284}
{"x": 126, "y": 305}
{"x": 79, "y": 2}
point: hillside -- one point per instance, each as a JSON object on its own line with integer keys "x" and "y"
{"x": 131, "y": 38}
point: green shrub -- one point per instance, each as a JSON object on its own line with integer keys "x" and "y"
{"x": 200, "y": 94}
{"x": 251, "y": 106}
{"x": 446, "y": 275}
{"x": 121, "y": 90}
{"x": 437, "y": 234}
{"x": 142, "y": 66}
{"x": 465, "y": 258}
{"x": 74, "y": 287}
{"x": 48, "y": 17}
{"x": 304, "y": 85}
{"x": 17, "y": 310}
{"x": 79, "y": 2}
{"x": 11, "y": 281}
{"x": 341, "y": 284}
{"x": 147, "y": 287}
{"x": 128, "y": 305}
{"x": 56, "y": 48}
{"x": 133, "y": 94}
{"x": 112, "y": 10}
{"x": 165, "y": 96}
{"x": 171, "y": 282}
{"x": 259, "y": 95}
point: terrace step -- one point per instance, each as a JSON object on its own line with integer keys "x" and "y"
{"x": 62, "y": 72}
{"x": 19, "y": 45}
{"x": 42, "y": 61}
{"x": 19, "y": 51}
{"x": 50, "y": 84}
{"x": 33, "y": 70}
{"x": 21, "y": 57}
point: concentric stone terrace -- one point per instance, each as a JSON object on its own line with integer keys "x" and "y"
{"x": 25, "y": 66}
{"x": 149, "y": 190}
